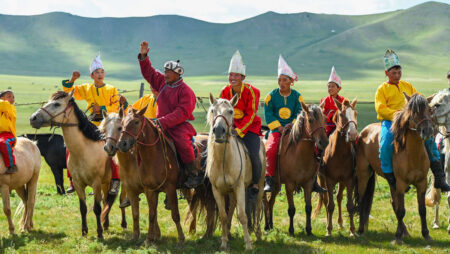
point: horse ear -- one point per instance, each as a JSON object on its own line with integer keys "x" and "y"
{"x": 234, "y": 100}
{"x": 104, "y": 114}
{"x": 121, "y": 112}
{"x": 353, "y": 104}
{"x": 338, "y": 104}
{"x": 406, "y": 96}
{"x": 71, "y": 94}
{"x": 212, "y": 99}
{"x": 141, "y": 112}
{"x": 429, "y": 99}
{"x": 322, "y": 105}
{"x": 304, "y": 107}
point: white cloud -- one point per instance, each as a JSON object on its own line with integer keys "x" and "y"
{"x": 209, "y": 10}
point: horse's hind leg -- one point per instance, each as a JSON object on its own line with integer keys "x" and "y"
{"x": 83, "y": 208}
{"x": 291, "y": 209}
{"x": 340, "y": 196}
{"x": 421, "y": 189}
{"x": 7, "y": 207}
{"x": 308, "y": 207}
{"x": 23, "y": 195}
{"x": 98, "y": 208}
{"x": 31, "y": 190}
{"x": 350, "y": 205}
{"x": 173, "y": 201}
{"x": 269, "y": 216}
{"x": 240, "y": 203}
{"x": 220, "y": 200}
{"x": 436, "y": 215}
{"x": 123, "y": 195}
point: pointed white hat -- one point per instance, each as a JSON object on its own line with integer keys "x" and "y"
{"x": 334, "y": 77}
{"x": 96, "y": 64}
{"x": 285, "y": 69}
{"x": 236, "y": 64}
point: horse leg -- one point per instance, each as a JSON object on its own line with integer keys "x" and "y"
{"x": 350, "y": 206}
{"x": 421, "y": 189}
{"x": 98, "y": 208}
{"x": 81, "y": 193}
{"x": 220, "y": 200}
{"x": 31, "y": 198}
{"x": 399, "y": 203}
{"x": 7, "y": 207}
{"x": 273, "y": 197}
{"x": 340, "y": 196}
{"x": 230, "y": 212}
{"x": 123, "y": 195}
{"x": 105, "y": 217}
{"x": 59, "y": 180}
{"x": 258, "y": 216}
{"x": 330, "y": 205}
{"x": 308, "y": 207}
{"x": 23, "y": 195}
{"x": 134, "y": 200}
{"x": 152, "y": 200}
{"x": 364, "y": 174}
{"x": 436, "y": 215}
{"x": 173, "y": 201}
{"x": 394, "y": 207}
{"x": 239, "y": 194}
{"x": 291, "y": 209}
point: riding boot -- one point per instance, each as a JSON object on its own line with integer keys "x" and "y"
{"x": 316, "y": 187}
{"x": 390, "y": 178}
{"x": 439, "y": 176}
{"x": 269, "y": 184}
{"x": 194, "y": 179}
{"x": 11, "y": 170}
{"x": 126, "y": 203}
{"x": 114, "y": 187}
{"x": 70, "y": 189}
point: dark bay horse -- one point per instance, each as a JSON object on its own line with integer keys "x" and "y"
{"x": 297, "y": 163}
{"x": 410, "y": 160}
{"x": 54, "y": 152}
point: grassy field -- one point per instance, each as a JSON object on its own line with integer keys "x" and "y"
{"x": 58, "y": 223}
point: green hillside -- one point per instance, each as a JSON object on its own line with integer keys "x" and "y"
{"x": 54, "y": 44}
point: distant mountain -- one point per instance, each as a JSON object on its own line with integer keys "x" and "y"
{"x": 54, "y": 44}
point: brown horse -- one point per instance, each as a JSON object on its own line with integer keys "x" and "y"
{"x": 297, "y": 163}
{"x": 88, "y": 163}
{"x": 338, "y": 163}
{"x": 410, "y": 162}
{"x": 158, "y": 170}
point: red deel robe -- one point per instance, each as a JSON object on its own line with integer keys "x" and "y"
{"x": 176, "y": 102}
{"x": 329, "y": 109}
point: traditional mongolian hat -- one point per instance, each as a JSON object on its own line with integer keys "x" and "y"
{"x": 390, "y": 59}
{"x": 334, "y": 77}
{"x": 236, "y": 64}
{"x": 285, "y": 69}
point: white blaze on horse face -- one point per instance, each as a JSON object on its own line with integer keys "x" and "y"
{"x": 222, "y": 118}
{"x": 352, "y": 133}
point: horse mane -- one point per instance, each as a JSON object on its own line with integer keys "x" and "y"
{"x": 89, "y": 130}
{"x": 298, "y": 126}
{"x": 438, "y": 97}
{"x": 416, "y": 106}
{"x": 105, "y": 121}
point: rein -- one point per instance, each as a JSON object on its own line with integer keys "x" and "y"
{"x": 58, "y": 124}
{"x": 426, "y": 119}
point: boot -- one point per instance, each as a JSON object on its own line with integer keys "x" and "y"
{"x": 114, "y": 187}
{"x": 194, "y": 179}
{"x": 390, "y": 178}
{"x": 269, "y": 184}
{"x": 439, "y": 176}
{"x": 70, "y": 189}
{"x": 11, "y": 170}
{"x": 316, "y": 187}
{"x": 126, "y": 203}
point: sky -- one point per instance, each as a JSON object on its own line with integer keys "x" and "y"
{"x": 218, "y": 11}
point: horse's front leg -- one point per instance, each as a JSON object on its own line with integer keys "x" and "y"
{"x": 308, "y": 207}
{"x": 269, "y": 216}
{"x": 134, "y": 200}
{"x": 436, "y": 215}
{"x": 230, "y": 212}
{"x": 7, "y": 207}
{"x": 220, "y": 200}
{"x": 173, "y": 201}
{"x": 239, "y": 193}
{"x": 152, "y": 200}
{"x": 98, "y": 207}
{"x": 80, "y": 189}
{"x": 350, "y": 206}
{"x": 291, "y": 209}
{"x": 330, "y": 205}
{"x": 421, "y": 189}
{"x": 339, "y": 197}
{"x": 399, "y": 204}
{"x": 123, "y": 196}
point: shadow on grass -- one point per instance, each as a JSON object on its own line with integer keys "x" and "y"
{"x": 17, "y": 241}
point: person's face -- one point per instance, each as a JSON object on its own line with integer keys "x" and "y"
{"x": 394, "y": 75}
{"x": 333, "y": 88}
{"x": 285, "y": 82}
{"x": 98, "y": 76}
{"x": 170, "y": 76}
{"x": 9, "y": 97}
{"x": 235, "y": 79}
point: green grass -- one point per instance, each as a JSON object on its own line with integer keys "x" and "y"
{"x": 58, "y": 223}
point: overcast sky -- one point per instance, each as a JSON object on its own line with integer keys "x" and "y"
{"x": 222, "y": 11}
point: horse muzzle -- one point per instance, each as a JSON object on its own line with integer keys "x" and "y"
{"x": 125, "y": 145}
{"x": 219, "y": 133}
{"x": 37, "y": 121}
{"x": 110, "y": 149}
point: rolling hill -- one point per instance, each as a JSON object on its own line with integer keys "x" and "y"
{"x": 54, "y": 44}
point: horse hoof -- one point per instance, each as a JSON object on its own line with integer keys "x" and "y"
{"x": 428, "y": 238}
{"x": 248, "y": 246}
{"x": 100, "y": 237}
{"x": 406, "y": 234}
{"x": 397, "y": 242}
{"x": 328, "y": 234}
{"x": 352, "y": 235}
{"x": 223, "y": 247}
{"x": 436, "y": 226}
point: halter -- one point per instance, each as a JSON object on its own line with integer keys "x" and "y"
{"x": 141, "y": 131}
{"x": 228, "y": 126}
{"x": 417, "y": 125}
{"x": 53, "y": 123}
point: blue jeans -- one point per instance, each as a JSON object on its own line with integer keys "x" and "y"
{"x": 387, "y": 147}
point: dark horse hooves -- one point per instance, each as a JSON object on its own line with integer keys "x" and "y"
{"x": 84, "y": 232}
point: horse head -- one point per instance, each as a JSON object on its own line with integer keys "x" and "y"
{"x": 132, "y": 128}
{"x": 111, "y": 128}
{"x": 55, "y": 112}
{"x": 314, "y": 124}
{"x": 220, "y": 117}
{"x": 440, "y": 108}
{"x": 345, "y": 119}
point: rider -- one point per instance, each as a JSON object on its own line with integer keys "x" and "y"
{"x": 176, "y": 103}
{"x": 247, "y": 124}
{"x": 388, "y": 100}
{"x": 8, "y": 130}
{"x": 100, "y": 97}
{"x": 281, "y": 107}
{"x": 329, "y": 107}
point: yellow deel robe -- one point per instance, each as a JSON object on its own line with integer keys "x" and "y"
{"x": 8, "y": 116}
{"x": 389, "y": 99}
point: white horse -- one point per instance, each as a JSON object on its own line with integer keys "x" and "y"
{"x": 229, "y": 169}
{"x": 24, "y": 181}
{"x": 440, "y": 105}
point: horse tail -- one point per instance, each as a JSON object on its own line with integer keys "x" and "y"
{"x": 319, "y": 205}
{"x": 433, "y": 195}
{"x": 364, "y": 203}
{"x": 203, "y": 198}
{"x": 110, "y": 198}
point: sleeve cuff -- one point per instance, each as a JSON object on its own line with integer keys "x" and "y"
{"x": 125, "y": 105}
{"x": 66, "y": 84}
{"x": 103, "y": 108}
{"x": 239, "y": 132}
{"x": 273, "y": 125}
{"x": 142, "y": 57}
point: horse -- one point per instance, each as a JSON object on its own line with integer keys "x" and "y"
{"x": 53, "y": 150}
{"x": 88, "y": 163}
{"x": 297, "y": 163}
{"x": 440, "y": 106}
{"x": 158, "y": 169}
{"x": 229, "y": 170}
{"x": 24, "y": 181}
{"x": 339, "y": 163}
{"x": 411, "y": 127}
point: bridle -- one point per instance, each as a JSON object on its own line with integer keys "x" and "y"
{"x": 417, "y": 125}
{"x": 140, "y": 132}
{"x": 228, "y": 127}
{"x": 58, "y": 124}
